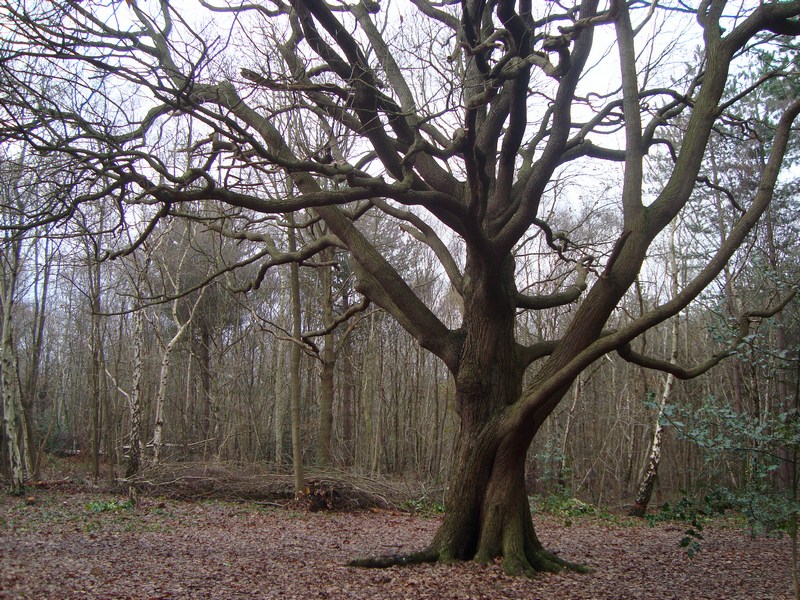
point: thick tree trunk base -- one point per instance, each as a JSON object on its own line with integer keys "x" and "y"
{"x": 538, "y": 560}
{"x": 488, "y": 519}
{"x": 530, "y": 563}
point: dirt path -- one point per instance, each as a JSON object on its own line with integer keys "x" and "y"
{"x": 76, "y": 546}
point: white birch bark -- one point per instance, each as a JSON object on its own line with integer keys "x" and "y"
{"x": 647, "y": 483}
{"x": 9, "y": 376}
{"x": 166, "y": 361}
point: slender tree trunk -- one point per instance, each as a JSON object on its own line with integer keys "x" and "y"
{"x": 24, "y": 423}
{"x": 204, "y": 356}
{"x": 651, "y": 471}
{"x": 348, "y": 389}
{"x": 279, "y": 407}
{"x": 96, "y": 364}
{"x": 294, "y": 367}
{"x": 10, "y": 390}
{"x": 325, "y": 441}
{"x": 31, "y": 388}
{"x": 732, "y": 300}
{"x": 328, "y": 359}
{"x": 648, "y": 480}
{"x": 784, "y": 398}
{"x": 135, "y": 398}
{"x": 163, "y": 378}
{"x": 158, "y": 426}
{"x": 562, "y": 459}
{"x": 434, "y": 456}
{"x": 187, "y": 412}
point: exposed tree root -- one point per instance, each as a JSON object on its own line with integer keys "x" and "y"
{"x": 540, "y": 560}
{"x": 532, "y": 564}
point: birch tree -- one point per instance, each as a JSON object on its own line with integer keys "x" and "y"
{"x": 648, "y": 479}
{"x": 171, "y": 285}
{"x": 14, "y": 430}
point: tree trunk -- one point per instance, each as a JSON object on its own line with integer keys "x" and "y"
{"x": 11, "y": 416}
{"x": 188, "y": 405}
{"x": 163, "y": 378}
{"x": 488, "y": 515}
{"x": 31, "y": 391}
{"x": 325, "y": 441}
{"x": 96, "y": 364}
{"x": 328, "y": 359}
{"x": 348, "y": 390}
{"x": 294, "y": 368}
{"x": 278, "y": 413}
{"x": 135, "y": 399}
{"x": 204, "y": 356}
{"x": 649, "y": 476}
{"x": 158, "y": 427}
{"x": 562, "y": 459}
{"x": 784, "y": 398}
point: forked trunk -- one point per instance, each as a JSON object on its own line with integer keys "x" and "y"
{"x": 488, "y": 516}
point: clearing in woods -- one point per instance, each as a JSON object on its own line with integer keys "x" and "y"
{"x": 68, "y": 544}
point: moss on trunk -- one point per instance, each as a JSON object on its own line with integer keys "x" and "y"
{"x": 488, "y": 516}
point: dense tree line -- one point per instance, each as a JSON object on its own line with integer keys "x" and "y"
{"x": 225, "y": 390}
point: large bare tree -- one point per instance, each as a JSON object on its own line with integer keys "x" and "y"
{"x": 468, "y": 123}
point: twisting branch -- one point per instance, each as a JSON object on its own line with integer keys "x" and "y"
{"x": 423, "y": 232}
{"x": 744, "y": 321}
{"x": 568, "y": 296}
{"x": 342, "y": 318}
{"x": 723, "y": 190}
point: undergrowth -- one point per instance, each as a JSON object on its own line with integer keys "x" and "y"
{"x": 688, "y": 512}
{"x": 566, "y": 507}
{"x": 114, "y": 506}
{"x": 423, "y": 506}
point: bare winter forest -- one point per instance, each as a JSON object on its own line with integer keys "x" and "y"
{"x": 456, "y": 258}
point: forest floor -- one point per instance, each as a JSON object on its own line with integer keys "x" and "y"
{"x": 71, "y": 543}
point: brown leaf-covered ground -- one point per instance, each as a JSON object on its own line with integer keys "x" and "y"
{"x": 78, "y": 545}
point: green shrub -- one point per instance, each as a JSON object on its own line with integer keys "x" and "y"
{"x": 100, "y": 506}
{"x": 423, "y": 506}
{"x": 563, "y": 505}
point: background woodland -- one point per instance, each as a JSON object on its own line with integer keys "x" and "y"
{"x": 211, "y": 366}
